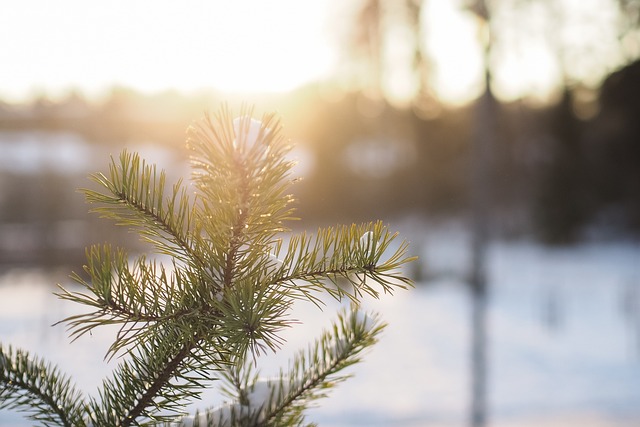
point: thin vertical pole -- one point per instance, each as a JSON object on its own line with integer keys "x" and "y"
{"x": 483, "y": 137}
{"x": 478, "y": 279}
{"x": 479, "y": 358}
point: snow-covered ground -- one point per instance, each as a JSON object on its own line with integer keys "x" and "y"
{"x": 564, "y": 341}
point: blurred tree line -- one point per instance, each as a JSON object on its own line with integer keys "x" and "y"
{"x": 556, "y": 168}
{"x": 553, "y": 173}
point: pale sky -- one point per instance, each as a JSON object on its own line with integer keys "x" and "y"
{"x": 51, "y": 47}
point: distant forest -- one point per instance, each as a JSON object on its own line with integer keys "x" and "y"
{"x": 558, "y": 172}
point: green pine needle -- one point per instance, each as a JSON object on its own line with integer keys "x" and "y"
{"x": 33, "y": 386}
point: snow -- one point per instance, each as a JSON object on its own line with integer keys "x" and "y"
{"x": 223, "y": 415}
{"x": 67, "y": 154}
{"x": 248, "y": 132}
{"x": 273, "y": 265}
{"x": 563, "y": 345}
{"x": 366, "y": 320}
{"x": 258, "y": 396}
{"x": 31, "y": 152}
{"x": 367, "y": 243}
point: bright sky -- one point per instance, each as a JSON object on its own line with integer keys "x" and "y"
{"x": 49, "y": 47}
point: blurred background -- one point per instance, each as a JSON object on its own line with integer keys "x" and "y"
{"x": 502, "y": 138}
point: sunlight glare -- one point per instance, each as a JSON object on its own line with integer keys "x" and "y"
{"x": 452, "y": 42}
{"x": 533, "y": 72}
{"x": 245, "y": 45}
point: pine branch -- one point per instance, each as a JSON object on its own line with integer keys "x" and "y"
{"x": 31, "y": 385}
{"x": 162, "y": 376}
{"x": 144, "y": 299}
{"x": 252, "y": 317}
{"x": 312, "y": 373}
{"x": 281, "y": 402}
{"x": 137, "y": 297}
{"x": 160, "y": 381}
{"x": 136, "y": 198}
{"x": 242, "y": 183}
{"x": 343, "y": 261}
{"x": 226, "y": 294}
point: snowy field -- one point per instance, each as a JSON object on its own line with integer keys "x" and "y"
{"x": 564, "y": 341}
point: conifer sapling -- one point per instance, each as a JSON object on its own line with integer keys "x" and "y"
{"x": 205, "y": 317}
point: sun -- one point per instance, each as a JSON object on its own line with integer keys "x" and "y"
{"x": 273, "y": 50}
{"x": 251, "y": 46}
